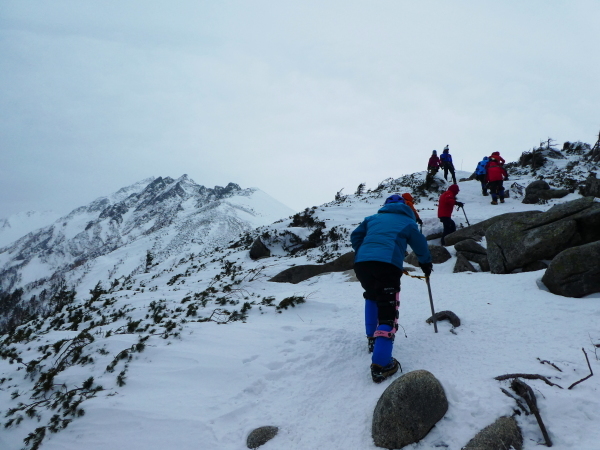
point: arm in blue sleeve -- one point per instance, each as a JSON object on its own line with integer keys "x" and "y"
{"x": 358, "y": 235}
{"x": 418, "y": 243}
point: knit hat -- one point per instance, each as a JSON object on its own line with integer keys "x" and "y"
{"x": 394, "y": 199}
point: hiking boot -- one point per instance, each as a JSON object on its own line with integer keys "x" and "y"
{"x": 494, "y": 202}
{"x": 501, "y": 200}
{"x": 485, "y": 193}
{"x": 370, "y": 343}
{"x": 379, "y": 373}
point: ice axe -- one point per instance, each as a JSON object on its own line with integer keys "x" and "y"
{"x": 463, "y": 208}
{"x": 431, "y": 303}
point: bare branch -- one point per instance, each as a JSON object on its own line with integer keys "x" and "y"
{"x": 589, "y": 366}
{"x": 527, "y": 376}
{"x": 548, "y": 362}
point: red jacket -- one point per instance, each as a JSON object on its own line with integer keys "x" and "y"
{"x": 434, "y": 161}
{"x": 498, "y": 158}
{"x": 494, "y": 170}
{"x": 447, "y": 201}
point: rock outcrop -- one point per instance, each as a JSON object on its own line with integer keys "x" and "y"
{"x": 259, "y": 250}
{"x": 261, "y": 436}
{"x": 478, "y": 230}
{"x": 503, "y": 434}
{"x": 575, "y": 272}
{"x": 514, "y": 243}
{"x": 439, "y": 255}
{"x": 408, "y": 409}
{"x": 297, "y": 274}
{"x": 541, "y": 190}
{"x": 463, "y": 264}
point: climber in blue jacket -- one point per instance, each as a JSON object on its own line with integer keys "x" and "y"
{"x": 380, "y": 244}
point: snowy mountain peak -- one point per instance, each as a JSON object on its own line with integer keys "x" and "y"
{"x": 161, "y": 214}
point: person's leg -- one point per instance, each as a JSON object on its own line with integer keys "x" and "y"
{"x": 501, "y": 191}
{"x": 453, "y": 174}
{"x": 494, "y": 192}
{"x": 381, "y": 282}
{"x": 370, "y": 317}
{"x": 449, "y": 227}
{"x": 388, "y": 303}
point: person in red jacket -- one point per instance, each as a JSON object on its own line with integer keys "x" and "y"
{"x": 432, "y": 168}
{"x": 496, "y": 174}
{"x": 446, "y": 205}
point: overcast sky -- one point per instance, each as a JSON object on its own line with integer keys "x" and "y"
{"x": 297, "y": 98}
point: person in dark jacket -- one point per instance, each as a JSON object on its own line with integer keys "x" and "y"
{"x": 432, "y": 168}
{"x": 496, "y": 174}
{"x": 380, "y": 244}
{"x": 446, "y": 205}
{"x": 480, "y": 175}
{"x": 447, "y": 164}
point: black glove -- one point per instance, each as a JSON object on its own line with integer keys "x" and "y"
{"x": 506, "y": 178}
{"x": 419, "y": 221}
{"x": 460, "y": 204}
{"x": 427, "y": 268}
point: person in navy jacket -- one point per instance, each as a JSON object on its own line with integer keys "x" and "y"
{"x": 447, "y": 164}
{"x": 380, "y": 244}
{"x": 481, "y": 175}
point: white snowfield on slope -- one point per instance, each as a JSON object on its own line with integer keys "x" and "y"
{"x": 307, "y": 370}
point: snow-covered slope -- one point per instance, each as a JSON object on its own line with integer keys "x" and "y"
{"x": 174, "y": 375}
{"x": 160, "y": 215}
{"x": 18, "y": 225}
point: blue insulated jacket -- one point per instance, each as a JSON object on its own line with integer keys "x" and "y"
{"x": 384, "y": 236}
{"x": 481, "y": 166}
{"x": 446, "y": 158}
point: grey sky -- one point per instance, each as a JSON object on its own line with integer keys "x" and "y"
{"x": 298, "y": 98}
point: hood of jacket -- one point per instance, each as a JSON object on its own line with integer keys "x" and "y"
{"x": 454, "y": 189}
{"x": 397, "y": 208}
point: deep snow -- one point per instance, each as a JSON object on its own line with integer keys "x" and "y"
{"x": 306, "y": 370}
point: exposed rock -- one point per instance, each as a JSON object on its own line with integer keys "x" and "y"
{"x": 478, "y": 230}
{"x": 470, "y": 245}
{"x": 575, "y": 272}
{"x": 511, "y": 244}
{"x": 540, "y": 190}
{"x": 503, "y": 434}
{"x": 261, "y": 436}
{"x": 463, "y": 264}
{"x": 445, "y": 315}
{"x": 439, "y": 255}
{"x": 408, "y": 409}
{"x": 535, "y": 266}
{"x": 297, "y": 274}
{"x": 591, "y": 187}
{"x": 478, "y": 258}
{"x": 431, "y": 237}
{"x": 259, "y": 250}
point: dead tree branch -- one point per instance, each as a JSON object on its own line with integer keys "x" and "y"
{"x": 527, "y": 376}
{"x": 543, "y": 361}
{"x": 519, "y": 402}
{"x": 524, "y": 390}
{"x": 589, "y": 366}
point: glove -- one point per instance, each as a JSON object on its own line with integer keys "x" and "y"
{"x": 506, "y": 178}
{"x": 460, "y": 204}
{"x": 427, "y": 268}
{"x": 419, "y": 221}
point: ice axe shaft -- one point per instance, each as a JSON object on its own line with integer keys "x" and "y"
{"x": 431, "y": 303}
{"x": 463, "y": 208}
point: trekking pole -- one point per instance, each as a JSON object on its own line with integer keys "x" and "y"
{"x": 463, "y": 208}
{"x": 431, "y": 303}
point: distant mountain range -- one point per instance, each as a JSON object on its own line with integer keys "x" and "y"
{"x": 163, "y": 216}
